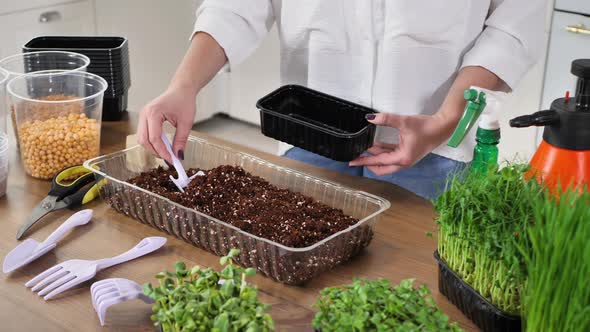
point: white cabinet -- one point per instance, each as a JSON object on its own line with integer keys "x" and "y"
{"x": 17, "y": 28}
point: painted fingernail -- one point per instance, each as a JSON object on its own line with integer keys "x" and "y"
{"x": 370, "y": 116}
{"x": 167, "y": 163}
{"x": 181, "y": 154}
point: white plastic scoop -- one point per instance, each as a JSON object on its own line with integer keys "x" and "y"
{"x": 183, "y": 180}
{"x": 29, "y": 250}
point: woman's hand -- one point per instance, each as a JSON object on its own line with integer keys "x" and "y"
{"x": 175, "y": 106}
{"x": 418, "y": 136}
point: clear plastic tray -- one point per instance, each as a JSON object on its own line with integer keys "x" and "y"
{"x": 281, "y": 263}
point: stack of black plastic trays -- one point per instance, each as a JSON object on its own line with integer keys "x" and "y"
{"x": 109, "y": 58}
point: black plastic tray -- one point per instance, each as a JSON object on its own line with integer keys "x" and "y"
{"x": 317, "y": 122}
{"x": 477, "y": 308}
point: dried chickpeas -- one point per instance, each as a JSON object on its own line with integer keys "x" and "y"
{"x": 50, "y": 145}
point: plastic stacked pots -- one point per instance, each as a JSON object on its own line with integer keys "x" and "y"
{"x": 109, "y": 59}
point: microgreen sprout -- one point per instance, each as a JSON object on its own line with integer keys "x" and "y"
{"x": 377, "y": 306}
{"x": 202, "y": 299}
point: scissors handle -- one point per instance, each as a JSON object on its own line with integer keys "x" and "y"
{"x": 83, "y": 196}
{"x": 61, "y": 190}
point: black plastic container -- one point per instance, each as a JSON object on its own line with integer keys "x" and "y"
{"x": 87, "y": 44}
{"x": 478, "y": 309}
{"x": 109, "y": 58}
{"x": 317, "y": 122}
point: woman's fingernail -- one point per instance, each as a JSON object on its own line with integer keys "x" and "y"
{"x": 370, "y": 116}
{"x": 167, "y": 163}
{"x": 181, "y": 154}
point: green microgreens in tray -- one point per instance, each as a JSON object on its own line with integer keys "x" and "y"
{"x": 483, "y": 220}
{"x": 557, "y": 294}
{"x": 196, "y": 300}
{"x": 377, "y": 306}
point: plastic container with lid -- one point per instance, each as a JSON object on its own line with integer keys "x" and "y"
{"x": 58, "y": 118}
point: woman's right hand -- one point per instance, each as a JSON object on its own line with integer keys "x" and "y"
{"x": 176, "y": 106}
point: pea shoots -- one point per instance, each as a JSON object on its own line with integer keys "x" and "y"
{"x": 483, "y": 220}
{"x": 206, "y": 300}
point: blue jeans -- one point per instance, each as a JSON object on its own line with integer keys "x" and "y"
{"x": 427, "y": 178}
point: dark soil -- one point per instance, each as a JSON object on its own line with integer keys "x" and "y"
{"x": 252, "y": 204}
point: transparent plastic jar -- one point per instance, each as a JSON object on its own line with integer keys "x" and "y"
{"x": 3, "y": 134}
{"x": 24, "y": 63}
{"x": 58, "y": 118}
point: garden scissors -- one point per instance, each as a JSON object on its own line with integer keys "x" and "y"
{"x": 80, "y": 191}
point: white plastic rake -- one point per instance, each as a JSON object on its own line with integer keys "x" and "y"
{"x": 108, "y": 292}
{"x": 183, "y": 180}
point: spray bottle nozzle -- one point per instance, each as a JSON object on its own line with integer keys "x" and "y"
{"x": 539, "y": 119}
{"x": 476, "y": 102}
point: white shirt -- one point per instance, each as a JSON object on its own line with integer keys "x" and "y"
{"x": 397, "y": 56}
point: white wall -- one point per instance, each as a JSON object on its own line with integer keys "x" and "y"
{"x": 254, "y": 78}
{"x": 158, "y": 34}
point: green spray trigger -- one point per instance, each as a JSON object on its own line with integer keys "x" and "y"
{"x": 476, "y": 102}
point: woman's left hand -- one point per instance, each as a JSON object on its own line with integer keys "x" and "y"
{"x": 418, "y": 136}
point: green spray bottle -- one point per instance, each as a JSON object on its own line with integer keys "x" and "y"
{"x": 484, "y": 103}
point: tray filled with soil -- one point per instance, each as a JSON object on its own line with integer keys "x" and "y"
{"x": 288, "y": 225}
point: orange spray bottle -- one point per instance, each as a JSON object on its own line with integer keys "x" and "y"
{"x": 563, "y": 158}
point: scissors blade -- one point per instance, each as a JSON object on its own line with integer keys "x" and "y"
{"x": 44, "y": 207}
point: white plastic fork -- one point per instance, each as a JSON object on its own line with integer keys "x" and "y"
{"x": 108, "y": 292}
{"x": 183, "y": 179}
{"x": 70, "y": 273}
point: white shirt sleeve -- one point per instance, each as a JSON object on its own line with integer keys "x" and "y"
{"x": 512, "y": 40}
{"x": 238, "y": 26}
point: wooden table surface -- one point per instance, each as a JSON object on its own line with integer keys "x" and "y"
{"x": 399, "y": 250}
